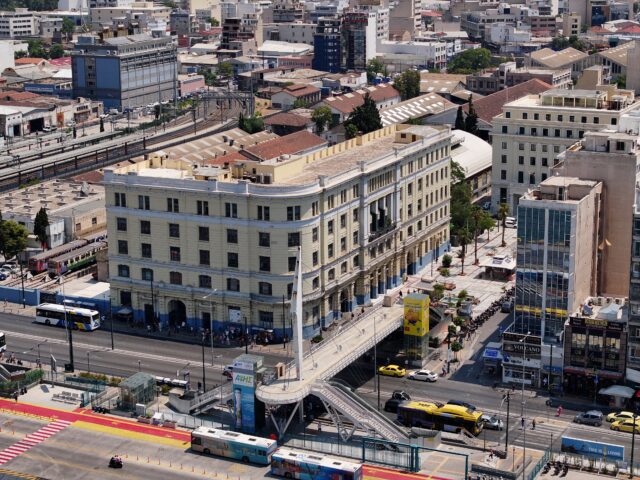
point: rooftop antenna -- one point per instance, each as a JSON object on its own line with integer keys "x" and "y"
{"x": 296, "y": 313}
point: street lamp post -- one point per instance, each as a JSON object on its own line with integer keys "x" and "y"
{"x": 38, "y": 347}
{"x": 204, "y": 374}
{"x": 376, "y": 376}
{"x": 524, "y": 348}
{"x": 66, "y": 323}
{"x": 246, "y": 336}
{"x": 211, "y": 311}
{"x": 633, "y": 442}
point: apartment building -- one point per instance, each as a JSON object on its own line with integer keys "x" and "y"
{"x": 21, "y": 23}
{"x": 125, "y": 71}
{"x": 366, "y": 213}
{"x": 532, "y": 131}
{"x": 327, "y": 45}
{"x": 358, "y": 40}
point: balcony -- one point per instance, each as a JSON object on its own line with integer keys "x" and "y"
{"x": 389, "y": 227}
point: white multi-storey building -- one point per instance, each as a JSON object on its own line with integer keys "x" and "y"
{"x": 366, "y": 213}
{"x": 21, "y": 23}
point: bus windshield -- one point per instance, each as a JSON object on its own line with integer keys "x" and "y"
{"x": 3, "y": 342}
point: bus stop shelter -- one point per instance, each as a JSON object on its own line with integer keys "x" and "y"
{"x": 138, "y": 388}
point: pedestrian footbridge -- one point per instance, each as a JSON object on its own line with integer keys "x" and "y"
{"x": 323, "y": 362}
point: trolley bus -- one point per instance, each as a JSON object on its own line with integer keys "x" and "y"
{"x": 224, "y": 443}
{"x": 448, "y": 418}
{"x": 312, "y": 466}
{"x": 77, "y": 318}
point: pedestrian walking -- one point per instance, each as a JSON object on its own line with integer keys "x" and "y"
{"x": 319, "y": 427}
{"x": 533, "y": 424}
{"x": 559, "y": 411}
{"x": 522, "y": 422}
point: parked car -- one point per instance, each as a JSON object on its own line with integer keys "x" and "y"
{"x": 400, "y": 395}
{"x": 51, "y": 128}
{"x": 511, "y": 222}
{"x": 492, "y": 423}
{"x": 462, "y": 404}
{"x": 423, "y": 375}
{"x": 615, "y": 416}
{"x": 391, "y": 405}
{"x": 507, "y": 307}
{"x": 626, "y": 426}
{"x": 11, "y": 267}
{"x": 592, "y": 417}
{"x": 7, "y": 271}
{"x": 392, "y": 371}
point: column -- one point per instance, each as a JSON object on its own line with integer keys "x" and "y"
{"x": 389, "y": 277}
{"x": 373, "y": 286}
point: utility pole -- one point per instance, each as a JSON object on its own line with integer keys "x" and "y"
{"x": 633, "y": 443}
{"x": 376, "y": 377}
{"x": 506, "y": 442}
{"x": 204, "y": 374}
{"x": 246, "y": 336}
{"x": 284, "y": 326}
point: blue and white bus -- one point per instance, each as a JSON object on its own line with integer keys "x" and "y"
{"x": 248, "y": 448}
{"x": 312, "y": 466}
{"x": 78, "y": 318}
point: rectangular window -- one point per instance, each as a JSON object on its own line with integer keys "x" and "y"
{"x": 503, "y": 159}
{"x": 343, "y": 244}
{"x": 503, "y": 174}
{"x": 520, "y": 160}
{"x": 314, "y": 234}
{"x": 264, "y": 213}
{"x": 355, "y": 215}
{"x": 144, "y": 202}
{"x": 123, "y": 271}
{"x": 315, "y": 284}
{"x": 232, "y": 235}
{"x": 314, "y": 208}
{"x": 293, "y": 213}
{"x": 145, "y": 227}
{"x": 343, "y": 196}
{"x": 175, "y": 278}
{"x": 266, "y": 319}
{"x": 173, "y": 205}
{"x": 233, "y": 284}
{"x": 504, "y": 129}
{"x": 330, "y": 201}
{"x": 291, "y": 263}
{"x": 264, "y": 264}
{"x": 330, "y": 227}
{"x": 545, "y": 162}
{"x": 355, "y": 238}
{"x": 205, "y": 257}
{"x": 330, "y": 250}
{"x": 145, "y": 250}
{"x": 174, "y": 230}
{"x": 202, "y": 207}
{"x": 120, "y": 199}
{"x": 355, "y": 191}
{"x": 343, "y": 220}
{"x": 264, "y": 239}
{"x": 147, "y": 274}
{"x": 293, "y": 239}
{"x": 232, "y": 260}
{"x": 265, "y": 288}
{"x": 174, "y": 254}
{"x": 203, "y": 234}
{"x": 520, "y": 177}
{"x": 121, "y": 224}
{"x": 204, "y": 281}
{"x": 231, "y": 210}
{"x": 532, "y": 161}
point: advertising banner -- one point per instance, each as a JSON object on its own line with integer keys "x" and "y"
{"x": 591, "y": 448}
{"x": 416, "y": 314}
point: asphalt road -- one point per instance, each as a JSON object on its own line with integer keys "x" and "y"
{"x": 92, "y": 351}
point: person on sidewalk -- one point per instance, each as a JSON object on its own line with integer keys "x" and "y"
{"x": 522, "y": 422}
{"x": 533, "y": 424}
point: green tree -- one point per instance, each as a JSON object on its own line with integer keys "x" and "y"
{"x": 463, "y": 239}
{"x": 455, "y": 348}
{"x": 366, "y": 117}
{"x": 620, "y": 81}
{"x": 56, "y": 51}
{"x": 36, "y": 49}
{"x": 559, "y": 43}
{"x": 68, "y": 27}
{"x": 460, "y": 198}
{"x": 300, "y": 103}
{"x": 374, "y": 67}
{"x": 471, "y": 122}
{"x": 14, "y": 238}
{"x": 408, "y": 84}
{"x": 210, "y": 78}
{"x": 20, "y": 54}
{"x": 253, "y": 124}
{"x": 459, "y": 125}
{"x": 40, "y": 225}
{"x": 322, "y": 117}
{"x": 481, "y": 221}
{"x": 225, "y": 70}
{"x": 470, "y": 61}
{"x": 213, "y": 21}
{"x": 503, "y": 213}
{"x": 350, "y": 130}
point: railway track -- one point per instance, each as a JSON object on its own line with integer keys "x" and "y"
{"x": 100, "y": 158}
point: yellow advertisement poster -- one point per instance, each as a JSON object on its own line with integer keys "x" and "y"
{"x": 416, "y": 314}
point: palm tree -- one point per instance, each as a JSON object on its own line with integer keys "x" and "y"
{"x": 476, "y": 214}
{"x": 503, "y": 213}
{"x": 463, "y": 238}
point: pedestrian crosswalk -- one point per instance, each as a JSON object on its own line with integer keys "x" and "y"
{"x": 539, "y": 438}
{"x": 32, "y": 440}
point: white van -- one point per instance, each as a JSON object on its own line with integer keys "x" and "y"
{"x": 511, "y": 222}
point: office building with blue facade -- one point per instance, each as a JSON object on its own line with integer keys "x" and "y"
{"x": 327, "y": 46}
{"x": 125, "y": 71}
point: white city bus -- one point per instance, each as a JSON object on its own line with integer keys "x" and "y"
{"x": 78, "y": 318}
{"x": 239, "y": 446}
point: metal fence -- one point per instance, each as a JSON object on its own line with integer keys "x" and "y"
{"x": 188, "y": 421}
{"x": 392, "y": 454}
{"x": 331, "y": 446}
{"x": 538, "y": 466}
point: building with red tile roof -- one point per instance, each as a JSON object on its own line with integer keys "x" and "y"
{"x": 298, "y": 143}
{"x": 31, "y": 61}
{"x": 342, "y": 105}
{"x": 286, "y": 98}
{"x": 284, "y": 123}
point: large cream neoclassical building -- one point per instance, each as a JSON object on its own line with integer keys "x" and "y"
{"x": 192, "y": 243}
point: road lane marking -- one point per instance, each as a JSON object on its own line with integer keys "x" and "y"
{"x": 32, "y": 440}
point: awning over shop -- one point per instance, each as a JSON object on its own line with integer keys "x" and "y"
{"x": 633, "y": 375}
{"x": 500, "y": 262}
{"x": 125, "y": 311}
{"x": 617, "y": 391}
{"x": 492, "y": 354}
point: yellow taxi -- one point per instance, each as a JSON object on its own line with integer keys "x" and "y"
{"x": 615, "y": 416}
{"x": 626, "y": 426}
{"x": 392, "y": 371}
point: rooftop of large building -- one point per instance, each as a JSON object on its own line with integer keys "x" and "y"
{"x": 552, "y": 59}
{"x": 561, "y": 189}
{"x": 606, "y": 99}
{"x": 320, "y": 167}
{"x": 488, "y": 107}
{"x": 618, "y": 54}
{"x": 600, "y": 310}
{"x": 54, "y": 196}
{"x": 414, "y": 108}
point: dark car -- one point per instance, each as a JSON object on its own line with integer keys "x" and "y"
{"x": 592, "y": 417}
{"x": 391, "y": 405}
{"x": 462, "y": 404}
{"x": 400, "y": 395}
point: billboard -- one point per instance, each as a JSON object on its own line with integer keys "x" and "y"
{"x": 591, "y": 448}
{"x": 416, "y": 314}
{"x": 244, "y": 385}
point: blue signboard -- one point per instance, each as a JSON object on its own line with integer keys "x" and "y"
{"x": 244, "y": 386}
{"x": 592, "y": 449}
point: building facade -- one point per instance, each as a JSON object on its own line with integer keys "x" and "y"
{"x": 21, "y": 23}
{"x": 533, "y": 130}
{"x": 327, "y": 45}
{"x": 358, "y": 41}
{"x": 125, "y": 72}
{"x": 366, "y": 213}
